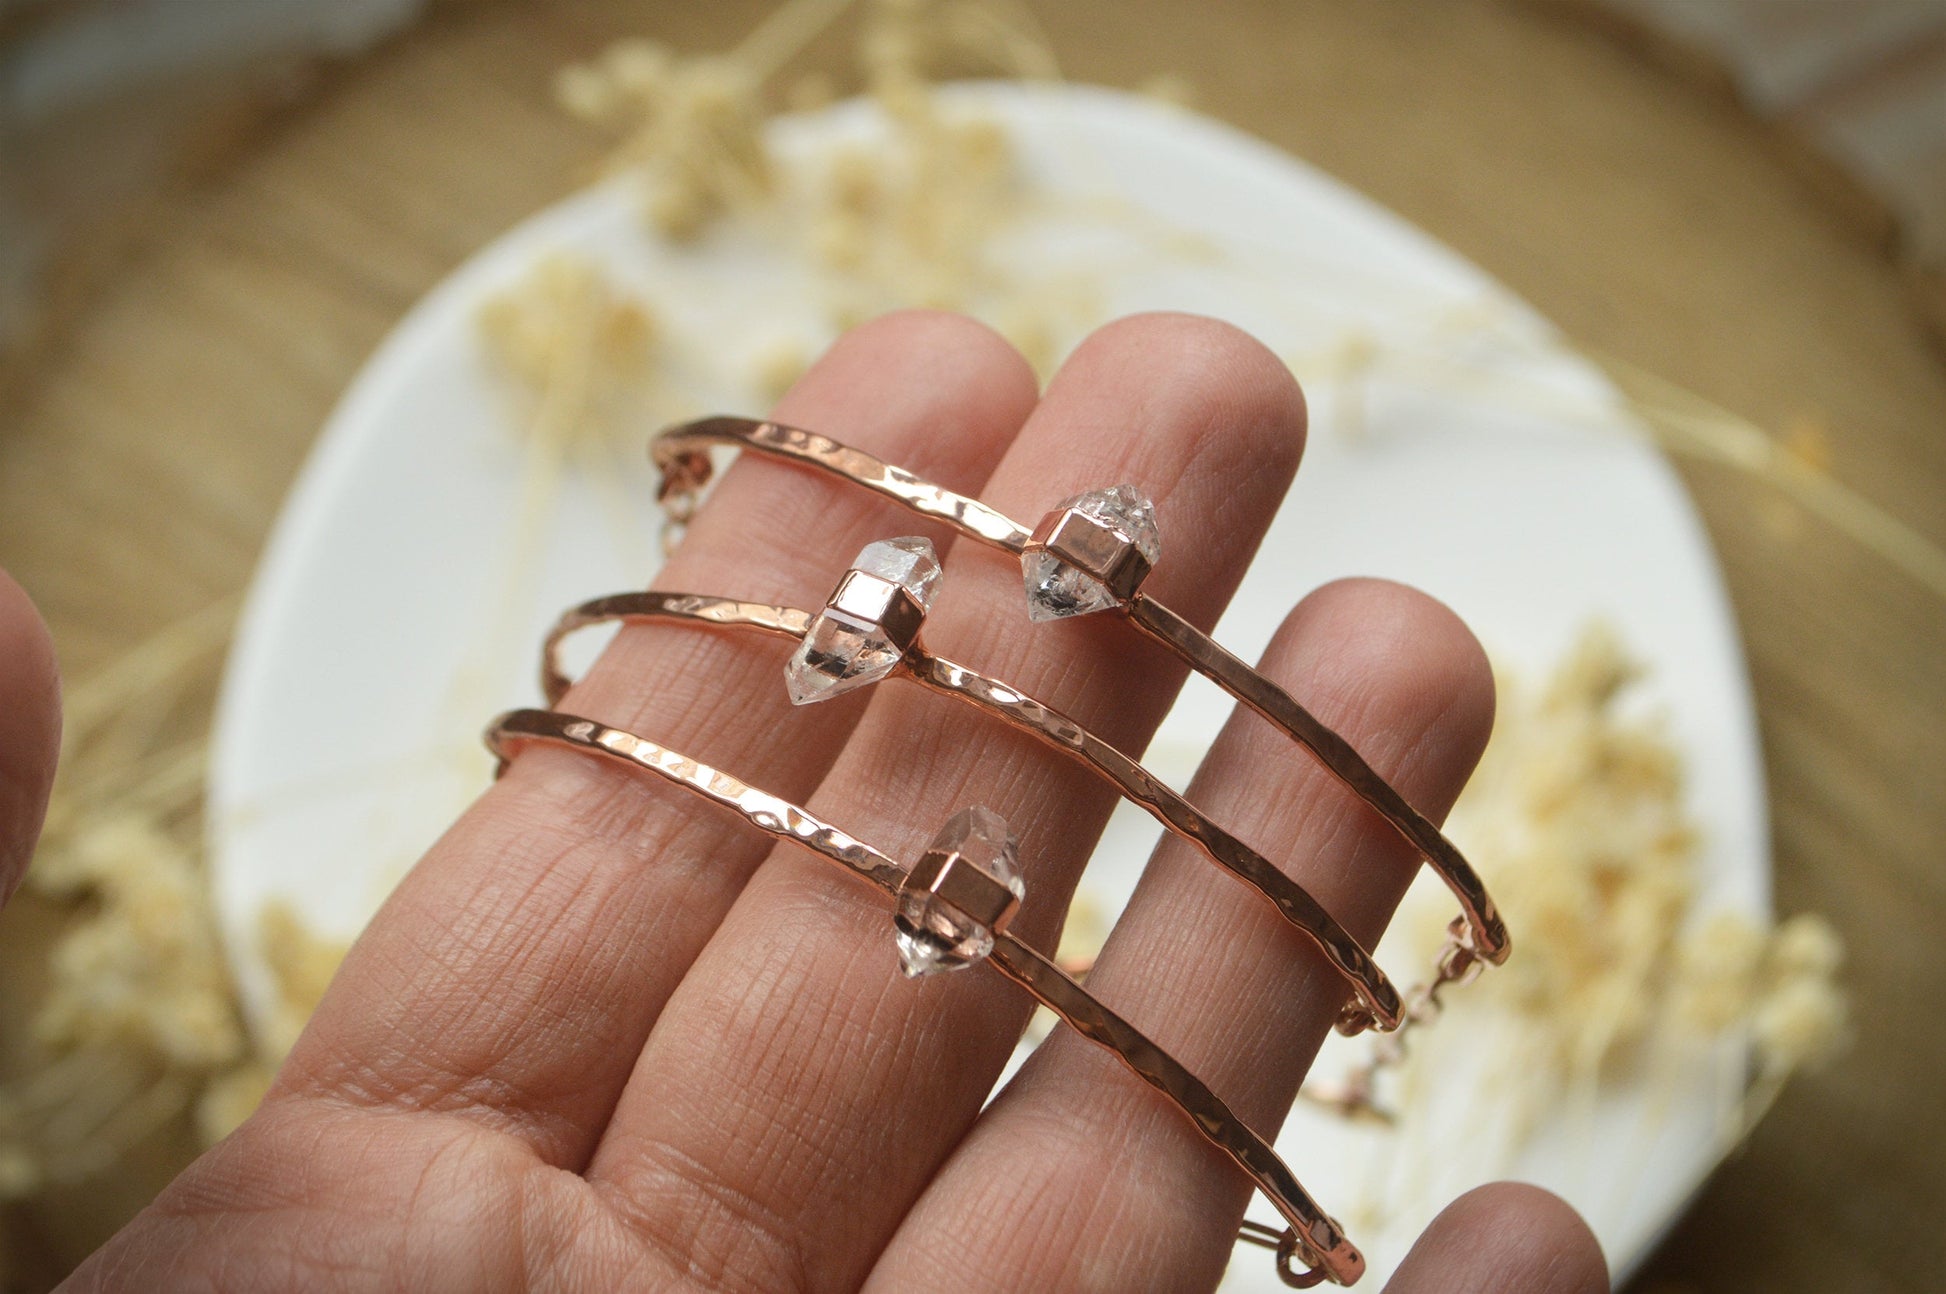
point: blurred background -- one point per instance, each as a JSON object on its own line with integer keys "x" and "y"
{"x": 212, "y": 210}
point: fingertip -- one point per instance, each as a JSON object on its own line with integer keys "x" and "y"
{"x": 1509, "y": 1238}
{"x": 30, "y": 729}
{"x": 1200, "y": 415}
{"x": 1249, "y": 414}
{"x": 1384, "y": 644}
{"x": 938, "y": 394}
{"x": 918, "y": 350}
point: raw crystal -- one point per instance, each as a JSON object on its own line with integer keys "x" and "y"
{"x": 909, "y": 562}
{"x": 838, "y": 655}
{"x": 844, "y": 651}
{"x": 921, "y": 955}
{"x": 1055, "y": 588}
{"x": 934, "y": 934}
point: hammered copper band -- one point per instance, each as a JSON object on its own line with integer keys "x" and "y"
{"x": 1311, "y": 1235}
{"x": 1377, "y": 1002}
{"x": 681, "y": 453}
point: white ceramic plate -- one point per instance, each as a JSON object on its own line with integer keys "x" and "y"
{"x": 1478, "y": 459}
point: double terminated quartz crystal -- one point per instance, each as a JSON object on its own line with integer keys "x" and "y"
{"x": 1090, "y": 553}
{"x": 963, "y": 889}
{"x": 967, "y": 885}
{"x": 871, "y": 619}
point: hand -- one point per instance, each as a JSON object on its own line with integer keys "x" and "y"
{"x": 605, "y": 1037}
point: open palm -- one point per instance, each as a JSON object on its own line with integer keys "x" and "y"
{"x": 606, "y": 1037}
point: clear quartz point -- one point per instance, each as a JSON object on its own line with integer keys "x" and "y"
{"x": 1057, "y": 589}
{"x": 933, "y": 934}
{"x": 909, "y": 562}
{"x": 844, "y": 651}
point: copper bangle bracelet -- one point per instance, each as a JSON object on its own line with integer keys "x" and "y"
{"x": 1091, "y": 554}
{"x": 959, "y": 898}
{"x": 845, "y": 646}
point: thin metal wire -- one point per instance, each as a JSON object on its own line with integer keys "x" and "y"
{"x": 681, "y": 453}
{"x": 1478, "y": 938}
{"x": 682, "y": 456}
{"x": 1312, "y": 1235}
{"x": 1377, "y": 1005}
{"x": 1202, "y": 654}
{"x": 1356, "y": 1095}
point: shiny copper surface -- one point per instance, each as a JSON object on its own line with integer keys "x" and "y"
{"x": 1312, "y": 1236}
{"x": 1204, "y": 655}
{"x": 1378, "y": 1002}
{"x": 680, "y": 452}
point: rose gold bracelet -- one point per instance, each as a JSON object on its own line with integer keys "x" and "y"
{"x": 1091, "y": 554}
{"x": 869, "y": 630}
{"x": 958, "y": 900}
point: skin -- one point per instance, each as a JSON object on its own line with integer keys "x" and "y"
{"x": 604, "y": 1037}
{"x": 30, "y": 730}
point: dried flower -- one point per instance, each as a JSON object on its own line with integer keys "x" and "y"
{"x": 1805, "y": 945}
{"x": 301, "y": 965}
{"x": 693, "y": 129}
{"x": 142, "y": 972}
{"x": 568, "y": 334}
{"x": 1801, "y": 1021}
{"x": 1717, "y": 972}
{"x": 909, "y": 219}
{"x": 1576, "y": 820}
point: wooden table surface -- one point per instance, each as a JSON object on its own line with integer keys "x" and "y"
{"x": 144, "y": 457}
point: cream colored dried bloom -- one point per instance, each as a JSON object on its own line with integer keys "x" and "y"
{"x": 1577, "y": 822}
{"x": 301, "y": 963}
{"x": 137, "y": 1008}
{"x": 908, "y": 221}
{"x": 912, "y": 220}
{"x": 638, "y": 68}
{"x": 1594, "y": 671}
{"x": 1805, "y": 945}
{"x": 1717, "y": 972}
{"x": 693, "y": 129}
{"x": 587, "y": 92}
{"x": 143, "y": 971}
{"x": 1801, "y": 1021}
{"x": 565, "y": 320}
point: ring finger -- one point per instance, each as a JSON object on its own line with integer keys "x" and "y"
{"x": 1079, "y": 1176}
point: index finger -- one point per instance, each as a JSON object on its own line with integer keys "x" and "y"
{"x": 514, "y": 974}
